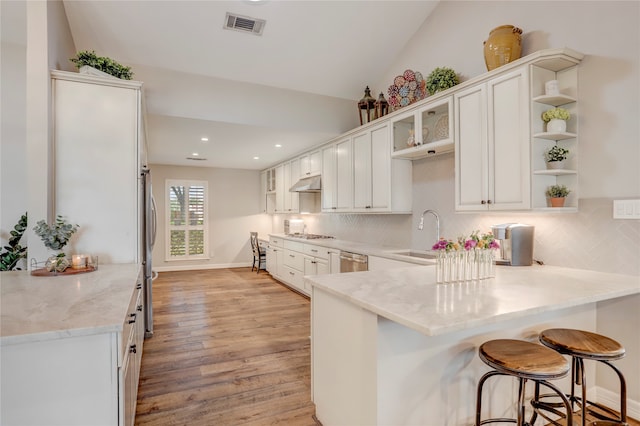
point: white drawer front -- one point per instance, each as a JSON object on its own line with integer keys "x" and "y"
{"x": 277, "y": 242}
{"x": 294, "y": 279}
{"x": 316, "y": 251}
{"x": 294, "y": 245}
{"x": 294, "y": 259}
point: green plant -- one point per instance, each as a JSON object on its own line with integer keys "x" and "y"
{"x": 12, "y": 253}
{"x": 55, "y": 236}
{"x": 102, "y": 63}
{"x": 441, "y": 79}
{"x": 556, "y": 153}
{"x": 555, "y": 114}
{"x": 557, "y": 191}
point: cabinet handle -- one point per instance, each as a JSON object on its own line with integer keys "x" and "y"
{"x": 139, "y": 308}
{"x": 334, "y": 208}
{"x": 132, "y": 318}
{"x": 367, "y": 207}
{"x": 291, "y": 255}
{"x": 488, "y": 201}
{"x": 291, "y": 273}
{"x": 313, "y": 261}
{"x": 314, "y": 250}
{"x": 132, "y": 349}
{"x": 139, "y": 286}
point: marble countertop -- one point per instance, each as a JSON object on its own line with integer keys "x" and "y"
{"x": 361, "y": 248}
{"x": 410, "y": 296}
{"x": 40, "y": 308}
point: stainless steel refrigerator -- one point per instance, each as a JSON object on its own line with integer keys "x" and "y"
{"x": 148, "y": 237}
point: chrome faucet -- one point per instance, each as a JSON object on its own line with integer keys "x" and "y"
{"x": 421, "y": 224}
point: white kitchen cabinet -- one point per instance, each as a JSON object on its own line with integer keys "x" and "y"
{"x": 310, "y": 164}
{"x": 291, "y": 171}
{"x": 337, "y": 175}
{"x": 275, "y": 253}
{"x": 97, "y": 138}
{"x": 279, "y": 176}
{"x": 87, "y": 374}
{"x": 492, "y": 144}
{"x": 263, "y": 192}
{"x": 381, "y": 184}
{"x": 424, "y": 131}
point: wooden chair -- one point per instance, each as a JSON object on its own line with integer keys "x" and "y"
{"x": 258, "y": 255}
{"x": 524, "y": 361}
{"x": 584, "y": 345}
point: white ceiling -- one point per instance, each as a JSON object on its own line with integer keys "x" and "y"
{"x": 296, "y": 85}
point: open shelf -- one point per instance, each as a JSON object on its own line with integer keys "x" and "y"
{"x": 554, "y": 100}
{"x": 555, "y": 172}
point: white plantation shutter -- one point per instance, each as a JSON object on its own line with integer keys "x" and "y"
{"x": 187, "y": 233}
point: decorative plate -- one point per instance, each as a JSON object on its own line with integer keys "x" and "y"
{"x": 441, "y": 130}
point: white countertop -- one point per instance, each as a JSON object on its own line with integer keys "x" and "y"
{"x": 360, "y": 248}
{"x": 36, "y": 308}
{"x": 410, "y": 296}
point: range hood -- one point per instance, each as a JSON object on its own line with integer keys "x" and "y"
{"x": 309, "y": 184}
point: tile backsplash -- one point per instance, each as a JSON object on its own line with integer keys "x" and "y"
{"x": 589, "y": 239}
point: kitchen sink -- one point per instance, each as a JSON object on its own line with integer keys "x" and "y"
{"x": 416, "y": 253}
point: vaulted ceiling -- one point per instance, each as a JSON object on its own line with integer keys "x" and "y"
{"x": 296, "y": 85}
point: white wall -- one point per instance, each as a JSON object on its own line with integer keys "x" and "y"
{"x": 35, "y": 38}
{"x": 234, "y": 211}
{"x": 13, "y": 104}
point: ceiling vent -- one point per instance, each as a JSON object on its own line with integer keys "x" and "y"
{"x": 244, "y": 24}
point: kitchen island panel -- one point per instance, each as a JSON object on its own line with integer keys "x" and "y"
{"x": 369, "y": 370}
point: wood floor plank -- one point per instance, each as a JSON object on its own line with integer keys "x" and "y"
{"x": 230, "y": 347}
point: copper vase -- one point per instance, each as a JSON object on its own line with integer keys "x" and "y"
{"x": 503, "y": 46}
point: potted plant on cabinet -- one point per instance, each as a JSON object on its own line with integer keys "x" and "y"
{"x": 557, "y": 194}
{"x": 55, "y": 237}
{"x": 556, "y": 119}
{"x": 101, "y": 63}
{"x": 555, "y": 157}
{"x": 441, "y": 79}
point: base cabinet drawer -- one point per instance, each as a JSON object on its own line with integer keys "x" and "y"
{"x": 294, "y": 260}
{"x": 294, "y": 278}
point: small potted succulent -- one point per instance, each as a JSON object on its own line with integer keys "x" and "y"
{"x": 555, "y": 157}
{"x": 55, "y": 237}
{"x": 557, "y": 194}
{"x": 441, "y": 79}
{"x": 556, "y": 119}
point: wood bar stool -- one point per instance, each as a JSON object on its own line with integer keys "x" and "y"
{"x": 581, "y": 345}
{"x": 524, "y": 361}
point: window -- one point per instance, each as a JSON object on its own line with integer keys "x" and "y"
{"x": 187, "y": 229}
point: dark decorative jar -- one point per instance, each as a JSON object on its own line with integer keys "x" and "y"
{"x": 504, "y": 45}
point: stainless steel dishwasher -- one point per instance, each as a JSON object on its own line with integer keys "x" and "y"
{"x": 353, "y": 262}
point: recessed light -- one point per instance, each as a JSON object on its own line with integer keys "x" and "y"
{"x": 256, "y": 158}
{"x": 278, "y": 145}
{"x": 205, "y": 139}
{"x": 194, "y": 154}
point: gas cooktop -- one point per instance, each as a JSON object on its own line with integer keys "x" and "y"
{"x": 309, "y": 236}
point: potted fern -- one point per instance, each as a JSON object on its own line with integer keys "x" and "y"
{"x": 556, "y": 119}
{"x": 557, "y": 194}
{"x": 556, "y": 156}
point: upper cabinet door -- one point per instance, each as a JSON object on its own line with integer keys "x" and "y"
{"x": 509, "y": 141}
{"x": 471, "y": 154}
{"x": 362, "y": 171}
{"x": 492, "y": 145}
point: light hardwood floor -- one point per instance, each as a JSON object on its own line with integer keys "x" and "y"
{"x": 230, "y": 347}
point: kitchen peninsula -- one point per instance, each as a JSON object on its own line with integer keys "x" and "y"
{"x": 394, "y": 347}
{"x": 71, "y": 346}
